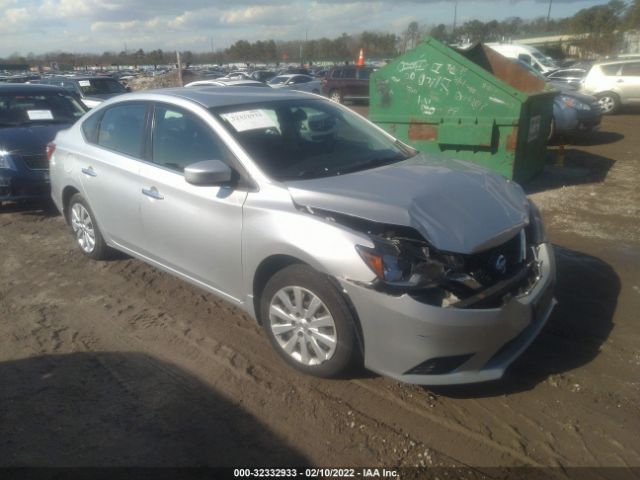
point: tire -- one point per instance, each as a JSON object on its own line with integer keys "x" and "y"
{"x": 326, "y": 348}
{"x": 552, "y": 129}
{"x": 609, "y": 103}
{"x": 336, "y": 96}
{"x": 85, "y": 229}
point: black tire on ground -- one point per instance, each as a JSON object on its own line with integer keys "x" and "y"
{"x": 609, "y": 103}
{"x": 552, "y": 129}
{"x": 346, "y": 350}
{"x": 100, "y": 249}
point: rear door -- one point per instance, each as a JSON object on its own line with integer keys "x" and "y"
{"x": 109, "y": 169}
{"x": 361, "y": 86}
{"x": 629, "y": 82}
{"x": 192, "y": 230}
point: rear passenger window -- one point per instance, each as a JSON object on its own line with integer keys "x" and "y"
{"x": 631, "y": 69}
{"x": 180, "y": 139}
{"x": 610, "y": 70}
{"x": 363, "y": 73}
{"x": 349, "y": 72}
{"x": 122, "y": 129}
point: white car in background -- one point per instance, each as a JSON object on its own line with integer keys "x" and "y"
{"x": 614, "y": 83}
{"x": 220, "y": 82}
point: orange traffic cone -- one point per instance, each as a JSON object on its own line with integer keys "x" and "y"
{"x": 361, "y": 59}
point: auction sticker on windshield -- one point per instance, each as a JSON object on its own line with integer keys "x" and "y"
{"x": 40, "y": 114}
{"x": 249, "y": 120}
{"x": 84, "y": 83}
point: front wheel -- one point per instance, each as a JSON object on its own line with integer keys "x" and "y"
{"x": 308, "y": 322}
{"x": 609, "y": 103}
{"x": 85, "y": 229}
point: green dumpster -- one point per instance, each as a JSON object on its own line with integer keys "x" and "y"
{"x": 475, "y": 105}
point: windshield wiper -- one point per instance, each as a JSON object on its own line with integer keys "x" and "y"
{"x": 369, "y": 164}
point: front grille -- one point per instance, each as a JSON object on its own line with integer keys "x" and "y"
{"x": 496, "y": 264}
{"x": 36, "y": 162}
{"x": 490, "y": 278}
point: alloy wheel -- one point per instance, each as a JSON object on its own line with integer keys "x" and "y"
{"x": 607, "y": 104}
{"x": 302, "y": 325}
{"x": 83, "y": 227}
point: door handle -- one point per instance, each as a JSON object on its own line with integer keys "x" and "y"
{"x": 620, "y": 81}
{"x": 153, "y": 193}
{"x": 90, "y": 172}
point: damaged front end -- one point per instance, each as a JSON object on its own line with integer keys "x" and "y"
{"x": 405, "y": 263}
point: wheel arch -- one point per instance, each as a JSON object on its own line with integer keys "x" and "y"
{"x": 68, "y": 192}
{"x": 273, "y": 264}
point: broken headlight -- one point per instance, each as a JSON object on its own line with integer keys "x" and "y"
{"x": 402, "y": 263}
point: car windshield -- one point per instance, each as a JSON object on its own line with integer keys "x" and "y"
{"x": 546, "y": 61}
{"x": 303, "y": 139}
{"x": 99, "y": 86}
{"x": 35, "y": 108}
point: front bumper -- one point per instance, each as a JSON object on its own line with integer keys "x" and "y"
{"x": 23, "y": 184}
{"x": 400, "y": 333}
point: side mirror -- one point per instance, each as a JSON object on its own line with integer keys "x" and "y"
{"x": 208, "y": 173}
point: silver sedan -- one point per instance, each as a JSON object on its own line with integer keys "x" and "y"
{"x": 302, "y": 83}
{"x": 342, "y": 242}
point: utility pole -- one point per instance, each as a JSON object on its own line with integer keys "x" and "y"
{"x": 455, "y": 17}
{"x": 549, "y": 11}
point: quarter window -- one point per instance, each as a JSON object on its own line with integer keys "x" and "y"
{"x": 180, "y": 139}
{"x": 631, "y": 69}
{"x": 90, "y": 128}
{"x": 122, "y": 129}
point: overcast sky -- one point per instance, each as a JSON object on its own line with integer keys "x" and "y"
{"x": 40, "y": 26}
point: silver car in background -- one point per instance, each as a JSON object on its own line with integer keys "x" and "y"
{"x": 341, "y": 241}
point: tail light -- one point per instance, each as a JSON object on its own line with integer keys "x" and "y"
{"x": 51, "y": 147}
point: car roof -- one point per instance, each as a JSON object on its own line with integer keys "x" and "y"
{"x": 618, "y": 62}
{"x": 211, "y": 96}
{"x": 81, "y": 77}
{"x": 30, "y": 88}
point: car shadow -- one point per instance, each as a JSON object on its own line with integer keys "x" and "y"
{"x": 40, "y": 207}
{"x": 587, "y": 139}
{"x": 587, "y": 291}
{"x": 577, "y": 168}
{"x": 125, "y": 409}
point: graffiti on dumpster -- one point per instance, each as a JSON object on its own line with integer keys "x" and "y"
{"x": 428, "y": 82}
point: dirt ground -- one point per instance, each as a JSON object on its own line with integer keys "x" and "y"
{"x": 116, "y": 363}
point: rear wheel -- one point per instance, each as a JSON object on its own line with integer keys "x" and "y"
{"x": 336, "y": 96}
{"x": 609, "y": 103}
{"x": 85, "y": 229}
{"x": 308, "y": 322}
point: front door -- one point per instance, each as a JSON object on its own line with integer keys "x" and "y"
{"x": 192, "y": 230}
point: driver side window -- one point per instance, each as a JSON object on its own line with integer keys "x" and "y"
{"x": 180, "y": 139}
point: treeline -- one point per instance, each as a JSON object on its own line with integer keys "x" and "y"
{"x": 605, "y": 25}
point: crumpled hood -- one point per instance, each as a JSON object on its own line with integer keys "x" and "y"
{"x": 29, "y": 140}
{"x": 457, "y": 206}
